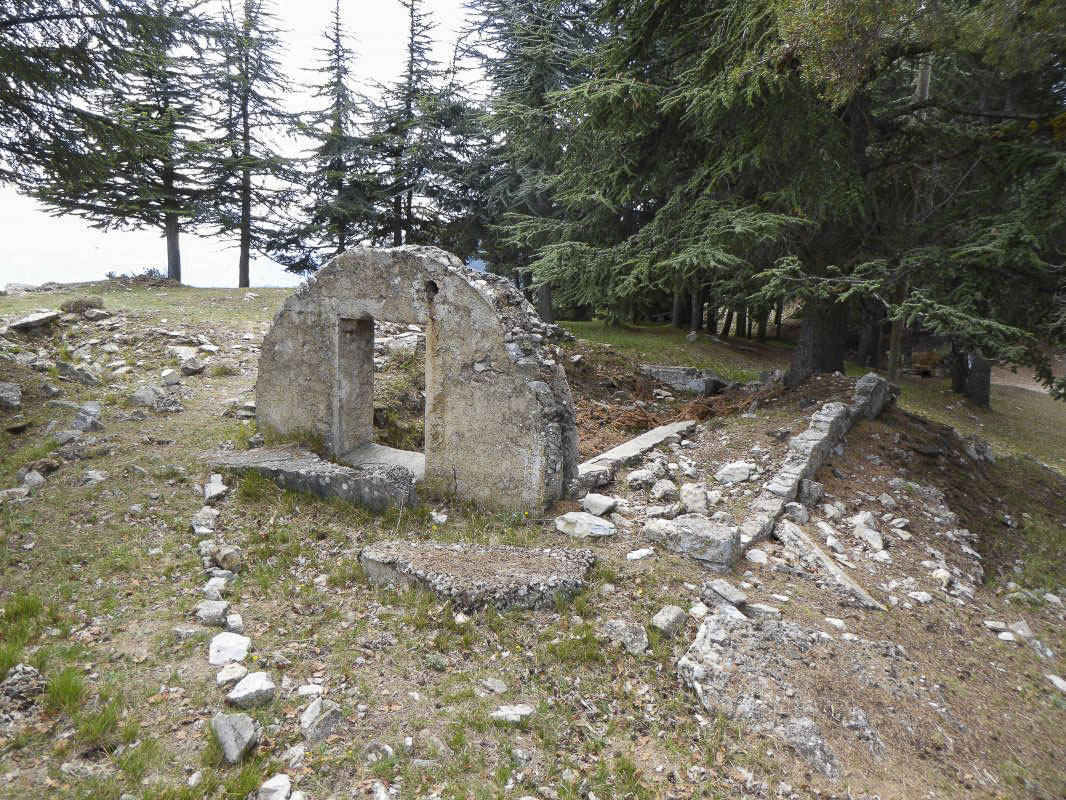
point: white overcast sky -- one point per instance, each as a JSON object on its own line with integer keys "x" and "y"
{"x": 37, "y": 247}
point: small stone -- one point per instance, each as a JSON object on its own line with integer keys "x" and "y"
{"x": 756, "y": 556}
{"x": 1005, "y": 636}
{"x": 669, "y": 620}
{"x": 921, "y": 598}
{"x": 637, "y": 555}
{"x": 698, "y": 611}
{"x": 797, "y": 513}
{"x": 1057, "y": 682}
{"x": 310, "y": 690}
{"x": 694, "y": 498}
{"x": 226, "y": 647}
{"x": 215, "y": 489}
{"x": 871, "y": 537}
{"x": 171, "y": 377}
{"x": 513, "y": 715}
{"x": 763, "y": 610}
{"x": 277, "y": 787}
{"x": 35, "y": 320}
{"x": 1021, "y": 629}
{"x": 598, "y": 504}
{"x": 834, "y": 544}
{"x": 727, "y": 591}
{"x": 630, "y": 635}
{"x": 254, "y": 689}
{"x": 995, "y": 625}
{"x": 1054, "y": 599}
{"x": 212, "y": 612}
{"x": 235, "y": 623}
{"x": 10, "y": 396}
{"x": 734, "y": 472}
{"x": 192, "y": 366}
{"x": 319, "y": 719}
{"x": 231, "y": 673}
{"x": 237, "y": 735}
{"x": 664, "y": 490}
{"x": 582, "y": 525}
{"x": 836, "y": 623}
{"x": 147, "y": 396}
{"x": 494, "y": 685}
{"x": 888, "y": 501}
{"x": 182, "y": 633}
{"x": 228, "y": 558}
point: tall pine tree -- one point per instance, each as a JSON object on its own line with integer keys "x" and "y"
{"x": 249, "y": 178}
{"x": 150, "y": 178}
{"x": 337, "y": 182}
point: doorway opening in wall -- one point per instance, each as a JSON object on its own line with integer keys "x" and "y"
{"x": 379, "y": 398}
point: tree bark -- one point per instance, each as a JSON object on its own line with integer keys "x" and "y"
{"x": 544, "y": 303}
{"x": 764, "y": 318}
{"x": 712, "y": 319}
{"x": 728, "y": 322}
{"x": 742, "y": 321}
{"x": 170, "y": 222}
{"x": 243, "y": 277}
{"x": 979, "y": 380}
{"x": 696, "y": 317}
{"x": 820, "y": 347}
{"x": 679, "y": 315}
{"x": 777, "y": 316}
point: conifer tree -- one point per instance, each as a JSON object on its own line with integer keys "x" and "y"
{"x": 148, "y": 177}
{"x": 249, "y": 180}
{"x": 528, "y": 51}
{"x": 407, "y": 135}
{"x": 57, "y": 58}
{"x": 336, "y": 179}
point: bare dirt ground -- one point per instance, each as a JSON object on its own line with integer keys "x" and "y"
{"x": 1022, "y": 377}
{"x": 96, "y": 574}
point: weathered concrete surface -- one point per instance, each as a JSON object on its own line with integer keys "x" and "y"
{"x": 686, "y": 379}
{"x": 500, "y": 426}
{"x": 376, "y": 485}
{"x": 599, "y": 470}
{"x": 472, "y": 575}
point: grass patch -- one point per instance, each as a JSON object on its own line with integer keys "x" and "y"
{"x": 665, "y": 344}
{"x": 65, "y": 691}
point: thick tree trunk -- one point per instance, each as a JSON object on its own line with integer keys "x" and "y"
{"x": 742, "y": 321}
{"x": 728, "y": 322}
{"x": 544, "y": 303}
{"x": 680, "y": 314}
{"x": 397, "y": 221}
{"x": 820, "y": 347}
{"x": 170, "y": 222}
{"x": 764, "y": 318}
{"x": 777, "y": 316}
{"x": 979, "y": 381}
{"x": 696, "y": 317}
{"x": 971, "y": 376}
{"x": 712, "y": 319}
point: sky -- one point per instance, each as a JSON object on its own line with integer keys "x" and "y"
{"x": 38, "y": 247}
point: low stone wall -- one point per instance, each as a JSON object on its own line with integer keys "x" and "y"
{"x": 808, "y": 451}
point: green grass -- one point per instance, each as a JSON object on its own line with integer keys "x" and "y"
{"x": 665, "y": 344}
{"x": 65, "y": 691}
{"x": 1019, "y": 421}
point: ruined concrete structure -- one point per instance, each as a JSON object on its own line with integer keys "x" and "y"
{"x": 499, "y": 418}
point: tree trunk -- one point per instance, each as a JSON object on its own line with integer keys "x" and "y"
{"x": 678, "y": 315}
{"x": 960, "y": 369}
{"x": 764, "y": 318}
{"x": 170, "y": 222}
{"x": 243, "y": 275}
{"x": 544, "y": 303}
{"x": 742, "y": 321}
{"x": 820, "y": 347}
{"x": 979, "y": 380}
{"x": 777, "y": 316}
{"x": 397, "y": 220}
{"x": 728, "y": 321}
{"x": 696, "y": 316}
{"x": 895, "y": 340}
{"x": 712, "y": 319}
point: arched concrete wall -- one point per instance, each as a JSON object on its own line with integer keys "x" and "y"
{"x": 500, "y": 426}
